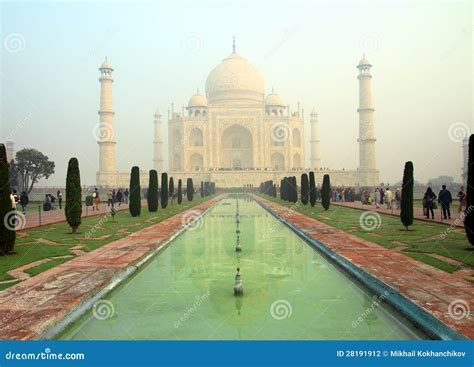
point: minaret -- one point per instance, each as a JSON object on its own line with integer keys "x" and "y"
{"x": 107, "y": 169}
{"x": 367, "y": 164}
{"x": 10, "y": 150}
{"x": 315, "y": 147}
{"x": 158, "y": 143}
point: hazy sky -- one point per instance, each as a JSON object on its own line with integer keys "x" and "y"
{"x": 162, "y": 51}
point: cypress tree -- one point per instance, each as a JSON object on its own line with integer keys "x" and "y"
{"x": 190, "y": 189}
{"x": 73, "y": 207}
{"x": 152, "y": 196}
{"x": 135, "y": 205}
{"x": 274, "y": 190}
{"x": 304, "y": 188}
{"x": 180, "y": 192}
{"x": 171, "y": 187}
{"x": 294, "y": 189}
{"x": 312, "y": 189}
{"x": 469, "y": 212}
{"x": 7, "y": 230}
{"x": 164, "y": 190}
{"x": 326, "y": 192}
{"x": 202, "y": 189}
{"x": 406, "y": 208}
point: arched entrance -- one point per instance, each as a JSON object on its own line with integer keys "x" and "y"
{"x": 236, "y": 148}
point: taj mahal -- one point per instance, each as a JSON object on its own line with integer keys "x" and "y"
{"x": 235, "y": 135}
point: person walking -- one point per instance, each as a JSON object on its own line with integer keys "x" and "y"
{"x": 119, "y": 197}
{"x": 388, "y": 198}
{"x": 462, "y": 199}
{"x": 445, "y": 199}
{"x": 60, "y": 199}
{"x": 428, "y": 202}
{"x": 398, "y": 198}
{"x": 382, "y": 195}
{"x": 95, "y": 199}
{"x": 24, "y": 202}
{"x": 110, "y": 196}
{"x": 126, "y": 194}
{"x": 378, "y": 197}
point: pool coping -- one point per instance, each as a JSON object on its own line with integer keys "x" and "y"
{"x": 416, "y": 314}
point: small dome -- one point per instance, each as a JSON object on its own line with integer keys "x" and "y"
{"x": 364, "y": 61}
{"x": 106, "y": 65}
{"x": 198, "y": 100}
{"x": 157, "y": 112}
{"x": 274, "y": 99}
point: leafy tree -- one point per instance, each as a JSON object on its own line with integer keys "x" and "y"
{"x": 189, "y": 189}
{"x": 135, "y": 205}
{"x": 180, "y": 192}
{"x": 152, "y": 197}
{"x": 469, "y": 213}
{"x": 32, "y": 166}
{"x": 312, "y": 189}
{"x": 304, "y": 188}
{"x": 406, "y": 206}
{"x": 326, "y": 192}
{"x": 7, "y": 221}
{"x": 73, "y": 207}
{"x": 164, "y": 190}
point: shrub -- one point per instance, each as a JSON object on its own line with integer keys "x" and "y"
{"x": 189, "y": 189}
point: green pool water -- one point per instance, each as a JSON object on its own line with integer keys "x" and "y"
{"x": 290, "y": 291}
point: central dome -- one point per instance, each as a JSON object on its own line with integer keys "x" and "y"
{"x": 235, "y": 80}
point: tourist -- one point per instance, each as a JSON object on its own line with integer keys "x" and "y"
{"x": 398, "y": 198}
{"x": 60, "y": 199}
{"x": 95, "y": 199}
{"x": 462, "y": 199}
{"x": 14, "y": 199}
{"x": 110, "y": 195}
{"x": 382, "y": 195}
{"x": 429, "y": 202}
{"x": 445, "y": 199}
{"x": 52, "y": 200}
{"x": 119, "y": 197}
{"x": 126, "y": 194}
{"x": 47, "y": 203}
{"x": 388, "y": 198}
{"x": 378, "y": 197}
{"x": 24, "y": 202}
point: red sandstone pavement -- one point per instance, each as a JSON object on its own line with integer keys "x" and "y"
{"x": 456, "y": 219}
{"x": 432, "y": 289}
{"x": 57, "y": 215}
{"x": 36, "y": 304}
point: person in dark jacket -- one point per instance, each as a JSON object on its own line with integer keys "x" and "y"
{"x": 428, "y": 201}
{"x": 24, "y": 202}
{"x": 445, "y": 199}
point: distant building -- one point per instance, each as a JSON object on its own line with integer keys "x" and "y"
{"x": 236, "y": 135}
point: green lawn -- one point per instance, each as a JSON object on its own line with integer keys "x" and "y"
{"x": 421, "y": 240}
{"x": 56, "y": 239}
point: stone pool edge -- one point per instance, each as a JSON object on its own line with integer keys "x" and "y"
{"x": 119, "y": 279}
{"x": 422, "y": 318}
